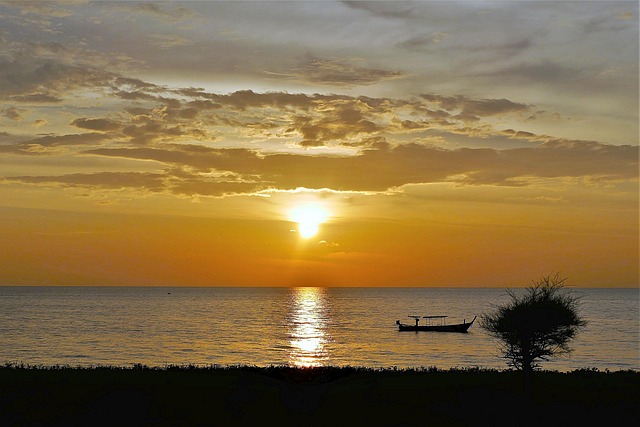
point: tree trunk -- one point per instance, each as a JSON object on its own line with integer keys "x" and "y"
{"x": 527, "y": 371}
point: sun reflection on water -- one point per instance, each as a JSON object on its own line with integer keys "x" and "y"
{"x": 308, "y": 327}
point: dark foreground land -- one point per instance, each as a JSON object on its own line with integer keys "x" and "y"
{"x": 326, "y": 396}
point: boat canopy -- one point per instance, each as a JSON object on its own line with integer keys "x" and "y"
{"x": 433, "y": 317}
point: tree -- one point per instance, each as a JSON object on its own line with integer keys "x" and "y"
{"x": 535, "y": 326}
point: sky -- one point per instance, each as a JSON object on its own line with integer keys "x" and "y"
{"x": 319, "y": 143}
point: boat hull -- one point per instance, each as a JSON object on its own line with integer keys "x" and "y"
{"x": 460, "y": 327}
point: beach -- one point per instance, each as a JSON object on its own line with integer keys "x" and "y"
{"x": 320, "y": 396}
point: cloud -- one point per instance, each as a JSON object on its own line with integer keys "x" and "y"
{"x": 385, "y": 168}
{"x": 383, "y": 9}
{"x": 12, "y": 113}
{"x": 39, "y": 14}
{"x": 103, "y": 125}
{"x": 196, "y": 187}
{"x": 341, "y": 73}
{"x": 36, "y": 98}
{"x": 571, "y": 78}
{"x": 519, "y": 134}
{"x": 423, "y": 41}
{"x": 176, "y": 182}
{"x": 243, "y": 142}
{"x": 110, "y": 180}
{"x": 43, "y": 144}
{"x": 27, "y": 79}
{"x": 39, "y": 72}
{"x": 342, "y": 122}
{"x": 156, "y": 10}
{"x": 541, "y": 71}
{"x": 318, "y": 120}
{"x": 561, "y": 158}
{"x": 610, "y": 22}
{"x": 44, "y": 8}
{"x": 474, "y": 109}
{"x": 502, "y": 51}
{"x": 168, "y": 41}
{"x": 283, "y": 121}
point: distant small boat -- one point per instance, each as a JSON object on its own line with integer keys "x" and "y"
{"x": 435, "y": 324}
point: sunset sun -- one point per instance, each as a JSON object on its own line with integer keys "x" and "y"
{"x": 309, "y": 217}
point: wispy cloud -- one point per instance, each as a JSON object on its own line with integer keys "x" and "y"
{"x": 162, "y": 11}
{"x": 191, "y": 170}
{"x": 343, "y": 73}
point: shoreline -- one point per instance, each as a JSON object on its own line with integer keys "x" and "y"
{"x": 248, "y": 395}
{"x": 289, "y": 367}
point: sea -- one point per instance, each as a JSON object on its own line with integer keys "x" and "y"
{"x": 306, "y": 326}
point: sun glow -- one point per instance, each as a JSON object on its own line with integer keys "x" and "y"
{"x": 309, "y": 217}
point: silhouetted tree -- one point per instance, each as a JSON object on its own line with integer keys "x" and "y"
{"x": 536, "y": 325}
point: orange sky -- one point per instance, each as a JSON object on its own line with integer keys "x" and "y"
{"x": 465, "y": 144}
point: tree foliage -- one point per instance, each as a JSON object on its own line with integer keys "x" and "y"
{"x": 536, "y": 325}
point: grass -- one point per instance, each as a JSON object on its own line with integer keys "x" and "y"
{"x": 320, "y": 396}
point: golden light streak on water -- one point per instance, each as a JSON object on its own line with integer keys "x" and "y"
{"x": 308, "y": 327}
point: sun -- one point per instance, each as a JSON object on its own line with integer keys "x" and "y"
{"x": 309, "y": 217}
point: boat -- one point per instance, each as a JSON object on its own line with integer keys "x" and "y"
{"x": 435, "y": 324}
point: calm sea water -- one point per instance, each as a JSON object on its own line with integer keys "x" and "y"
{"x": 88, "y": 326}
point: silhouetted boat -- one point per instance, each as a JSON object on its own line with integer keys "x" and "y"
{"x": 432, "y": 326}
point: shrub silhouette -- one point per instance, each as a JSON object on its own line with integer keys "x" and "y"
{"x": 536, "y": 325}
